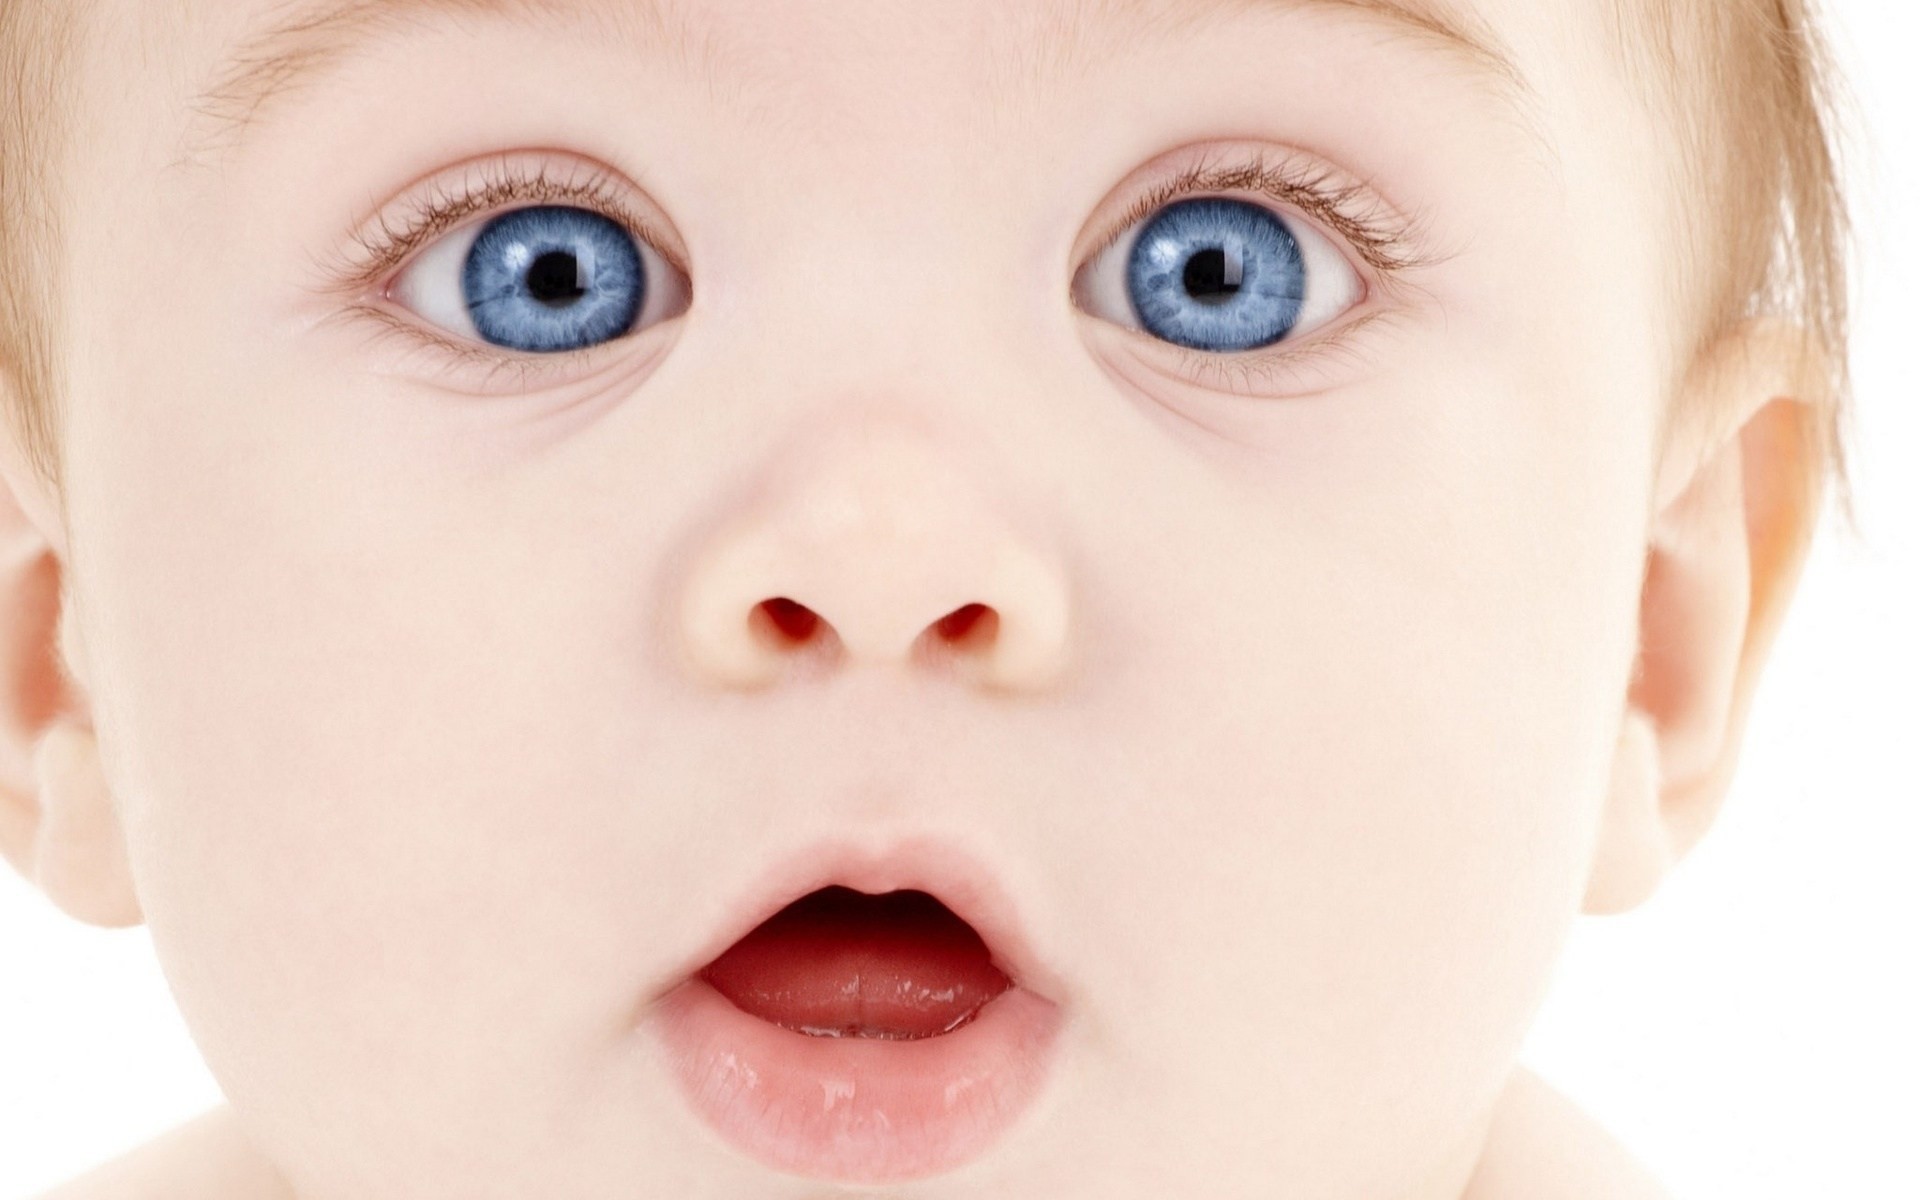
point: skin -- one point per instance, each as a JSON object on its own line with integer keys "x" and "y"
{"x": 425, "y": 728}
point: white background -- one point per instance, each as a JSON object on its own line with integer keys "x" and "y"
{"x": 1749, "y": 1032}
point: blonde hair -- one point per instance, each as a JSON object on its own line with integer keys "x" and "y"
{"x": 39, "y": 61}
{"x": 1748, "y": 96}
{"x": 1744, "y": 91}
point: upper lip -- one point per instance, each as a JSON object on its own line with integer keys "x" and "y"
{"x": 941, "y": 868}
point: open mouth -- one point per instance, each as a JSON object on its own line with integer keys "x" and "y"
{"x": 841, "y": 963}
{"x": 876, "y": 1022}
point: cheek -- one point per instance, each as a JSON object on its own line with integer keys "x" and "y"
{"x": 402, "y": 772}
{"x": 348, "y": 712}
{"x": 1352, "y": 767}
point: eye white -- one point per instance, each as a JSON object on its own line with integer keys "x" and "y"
{"x": 1332, "y": 285}
{"x": 430, "y": 285}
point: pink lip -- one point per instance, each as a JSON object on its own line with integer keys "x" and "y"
{"x": 866, "y": 1110}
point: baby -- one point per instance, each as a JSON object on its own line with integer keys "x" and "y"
{"x": 1020, "y": 599}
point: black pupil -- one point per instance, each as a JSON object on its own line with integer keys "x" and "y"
{"x": 554, "y": 278}
{"x": 1211, "y": 277}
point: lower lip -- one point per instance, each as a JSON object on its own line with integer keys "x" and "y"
{"x": 852, "y": 1109}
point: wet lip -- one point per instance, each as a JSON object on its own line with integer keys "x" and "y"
{"x": 863, "y": 1109}
{"x": 941, "y": 869}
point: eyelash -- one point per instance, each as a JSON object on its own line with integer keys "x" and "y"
{"x": 495, "y": 184}
{"x": 1389, "y": 243}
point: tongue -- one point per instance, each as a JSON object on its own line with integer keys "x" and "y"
{"x": 839, "y": 963}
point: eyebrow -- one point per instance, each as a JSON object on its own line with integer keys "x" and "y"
{"x": 310, "y": 37}
{"x": 307, "y": 38}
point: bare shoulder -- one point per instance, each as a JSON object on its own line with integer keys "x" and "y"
{"x": 1542, "y": 1146}
{"x": 206, "y": 1158}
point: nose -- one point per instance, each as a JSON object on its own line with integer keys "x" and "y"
{"x": 872, "y": 548}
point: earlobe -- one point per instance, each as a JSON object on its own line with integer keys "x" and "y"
{"x": 1634, "y": 850}
{"x": 80, "y": 855}
{"x": 33, "y": 689}
{"x": 58, "y": 824}
{"x": 1724, "y": 555}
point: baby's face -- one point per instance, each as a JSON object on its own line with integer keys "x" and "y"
{"x": 856, "y": 463}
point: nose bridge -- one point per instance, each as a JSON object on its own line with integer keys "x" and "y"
{"x": 873, "y": 236}
{"x": 870, "y": 279}
{"x": 871, "y": 313}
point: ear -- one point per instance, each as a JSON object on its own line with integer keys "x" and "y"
{"x": 1735, "y": 510}
{"x": 58, "y": 824}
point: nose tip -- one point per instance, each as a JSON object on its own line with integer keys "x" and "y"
{"x": 878, "y": 553}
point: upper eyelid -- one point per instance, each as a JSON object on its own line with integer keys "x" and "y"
{"x": 1387, "y": 238}
{"x": 1386, "y": 274}
{"x": 1131, "y": 218}
{"x": 471, "y": 223}
{"x": 1288, "y": 355}
{"x": 1243, "y": 175}
{"x": 1392, "y": 277}
{"x": 1246, "y": 176}
{"x": 343, "y": 275}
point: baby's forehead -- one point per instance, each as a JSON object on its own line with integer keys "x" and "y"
{"x": 248, "y": 56}
{"x": 1480, "y": 34}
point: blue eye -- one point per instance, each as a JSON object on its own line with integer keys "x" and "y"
{"x": 1226, "y": 275}
{"x": 546, "y": 279}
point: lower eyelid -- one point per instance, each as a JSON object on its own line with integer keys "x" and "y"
{"x": 1331, "y": 279}
{"x": 444, "y": 324}
{"x": 533, "y": 368}
{"x": 531, "y": 371}
{"x": 1293, "y": 361}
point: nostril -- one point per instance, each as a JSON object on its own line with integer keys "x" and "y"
{"x": 958, "y": 623}
{"x": 793, "y": 619}
{"x": 798, "y": 622}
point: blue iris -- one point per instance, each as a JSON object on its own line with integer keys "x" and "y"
{"x": 1216, "y": 274}
{"x": 552, "y": 278}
